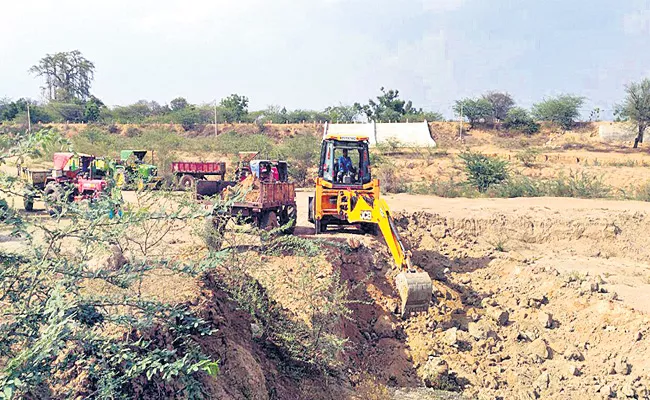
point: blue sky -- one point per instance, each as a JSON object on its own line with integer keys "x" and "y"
{"x": 315, "y": 53}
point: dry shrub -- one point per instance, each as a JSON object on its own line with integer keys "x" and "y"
{"x": 390, "y": 180}
{"x": 370, "y": 388}
{"x": 132, "y": 132}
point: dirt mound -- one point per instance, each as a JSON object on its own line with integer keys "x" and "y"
{"x": 514, "y": 318}
{"x": 248, "y": 368}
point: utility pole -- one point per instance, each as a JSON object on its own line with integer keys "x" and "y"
{"x": 29, "y": 120}
{"x": 460, "y": 131}
{"x": 216, "y": 130}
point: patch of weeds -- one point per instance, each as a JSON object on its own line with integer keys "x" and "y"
{"x": 449, "y": 189}
{"x": 642, "y": 192}
{"x": 528, "y": 157}
{"x": 579, "y": 184}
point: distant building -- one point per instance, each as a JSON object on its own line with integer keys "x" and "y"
{"x": 409, "y": 134}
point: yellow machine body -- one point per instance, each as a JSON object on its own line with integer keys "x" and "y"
{"x": 358, "y": 202}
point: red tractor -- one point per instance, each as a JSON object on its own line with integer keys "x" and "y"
{"x": 75, "y": 177}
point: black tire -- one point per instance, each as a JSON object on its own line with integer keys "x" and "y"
{"x": 4, "y": 210}
{"x": 320, "y": 226}
{"x": 187, "y": 182}
{"x": 289, "y": 214}
{"x": 310, "y": 212}
{"x": 28, "y": 202}
{"x": 370, "y": 229}
{"x": 269, "y": 221}
{"x": 54, "y": 197}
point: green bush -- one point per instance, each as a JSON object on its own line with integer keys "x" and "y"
{"x": 562, "y": 110}
{"x": 520, "y": 186}
{"x": 519, "y": 119}
{"x": 303, "y": 153}
{"x": 484, "y": 171}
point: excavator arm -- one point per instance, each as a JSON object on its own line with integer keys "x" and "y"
{"x": 414, "y": 287}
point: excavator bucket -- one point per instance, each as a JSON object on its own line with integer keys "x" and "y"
{"x": 415, "y": 290}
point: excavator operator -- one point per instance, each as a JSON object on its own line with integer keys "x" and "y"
{"x": 345, "y": 165}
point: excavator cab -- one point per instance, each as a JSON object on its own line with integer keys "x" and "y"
{"x": 345, "y": 162}
{"x": 346, "y": 194}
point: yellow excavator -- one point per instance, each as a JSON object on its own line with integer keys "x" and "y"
{"x": 346, "y": 194}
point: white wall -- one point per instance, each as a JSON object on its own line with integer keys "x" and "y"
{"x": 415, "y": 134}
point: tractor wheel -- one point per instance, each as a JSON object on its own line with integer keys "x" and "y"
{"x": 269, "y": 221}
{"x": 28, "y": 202}
{"x": 54, "y": 197}
{"x": 370, "y": 229}
{"x": 187, "y": 182}
{"x": 289, "y": 215}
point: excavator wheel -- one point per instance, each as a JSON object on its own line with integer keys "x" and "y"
{"x": 414, "y": 290}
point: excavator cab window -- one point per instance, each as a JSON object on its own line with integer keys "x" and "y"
{"x": 346, "y": 163}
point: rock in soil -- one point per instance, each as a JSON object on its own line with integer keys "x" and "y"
{"x": 545, "y": 319}
{"x": 539, "y": 349}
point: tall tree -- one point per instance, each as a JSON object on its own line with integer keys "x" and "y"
{"x": 501, "y": 103}
{"x": 342, "y": 113}
{"x": 388, "y": 107}
{"x": 475, "y": 110}
{"x": 235, "y": 107}
{"x": 178, "y": 103}
{"x": 562, "y": 110}
{"x": 68, "y": 75}
{"x": 636, "y": 107}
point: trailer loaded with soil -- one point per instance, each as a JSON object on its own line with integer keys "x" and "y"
{"x": 264, "y": 199}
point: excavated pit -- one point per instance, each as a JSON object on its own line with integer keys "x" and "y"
{"x": 534, "y": 305}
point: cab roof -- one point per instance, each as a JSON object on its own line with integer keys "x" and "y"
{"x": 346, "y": 137}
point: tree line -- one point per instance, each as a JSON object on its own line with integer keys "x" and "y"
{"x": 68, "y": 79}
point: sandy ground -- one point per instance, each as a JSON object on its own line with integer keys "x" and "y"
{"x": 627, "y": 270}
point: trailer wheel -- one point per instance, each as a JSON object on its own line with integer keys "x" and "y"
{"x": 269, "y": 221}
{"x": 28, "y": 202}
{"x": 187, "y": 182}
{"x": 54, "y": 196}
{"x": 289, "y": 214}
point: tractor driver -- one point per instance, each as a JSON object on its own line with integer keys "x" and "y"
{"x": 345, "y": 165}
